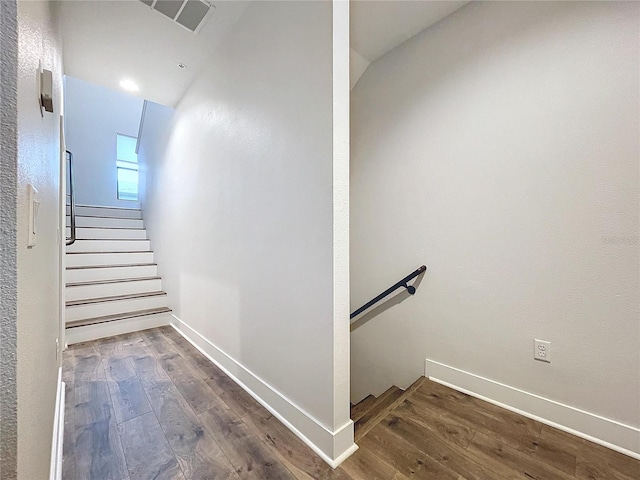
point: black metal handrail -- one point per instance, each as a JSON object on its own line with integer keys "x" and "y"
{"x": 402, "y": 283}
{"x": 72, "y": 201}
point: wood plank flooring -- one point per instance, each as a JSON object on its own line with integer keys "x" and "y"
{"x": 148, "y": 405}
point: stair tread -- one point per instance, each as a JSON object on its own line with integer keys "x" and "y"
{"x": 117, "y": 280}
{"x": 389, "y": 400}
{"x": 113, "y": 298}
{"x": 362, "y": 407}
{"x": 127, "y": 265}
{"x": 376, "y": 413}
{"x": 110, "y": 228}
{"x": 116, "y": 317}
{"x": 94, "y": 253}
{"x": 110, "y": 239}
{"x": 113, "y": 239}
{"x": 107, "y": 216}
{"x": 111, "y": 208}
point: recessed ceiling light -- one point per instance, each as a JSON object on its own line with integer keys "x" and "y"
{"x": 129, "y": 85}
{"x": 182, "y": 66}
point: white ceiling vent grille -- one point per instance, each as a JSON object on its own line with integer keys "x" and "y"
{"x": 189, "y": 14}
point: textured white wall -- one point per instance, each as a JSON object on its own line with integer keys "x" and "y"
{"x": 93, "y": 116}
{"x": 38, "y": 268}
{"x": 8, "y": 251}
{"x": 500, "y": 148}
{"x": 240, "y": 204}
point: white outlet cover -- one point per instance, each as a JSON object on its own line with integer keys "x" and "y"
{"x": 542, "y": 350}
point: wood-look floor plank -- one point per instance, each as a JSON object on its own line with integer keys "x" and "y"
{"x": 337, "y": 474}
{"x": 92, "y": 403}
{"x": 68, "y": 459}
{"x": 149, "y": 370}
{"x": 522, "y": 463}
{"x": 455, "y": 399}
{"x": 198, "y": 454}
{"x": 293, "y": 453}
{"x": 195, "y": 390}
{"x": 251, "y": 458}
{"x": 448, "y": 454}
{"x": 519, "y": 428}
{"x": 447, "y": 428}
{"x": 147, "y": 451}
{"x": 127, "y": 396}
{"x": 364, "y": 464}
{"x": 97, "y": 449}
{"x": 234, "y": 395}
{"x": 230, "y": 392}
{"x": 556, "y": 448}
{"x": 173, "y": 336}
{"x": 595, "y": 462}
{"x": 520, "y": 433}
{"x": 403, "y": 456}
{"x": 121, "y": 345}
{"x": 88, "y": 366}
{"x": 156, "y": 342}
{"x": 201, "y": 459}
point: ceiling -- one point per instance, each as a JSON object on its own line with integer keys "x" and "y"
{"x": 380, "y": 26}
{"x": 105, "y": 42}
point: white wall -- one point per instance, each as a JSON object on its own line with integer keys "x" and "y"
{"x": 239, "y": 206}
{"x": 38, "y": 269}
{"x": 94, "y": 115}
{"x": 500, "y": 148}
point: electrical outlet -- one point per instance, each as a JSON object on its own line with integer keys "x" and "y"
{"x": 542, "y": 351}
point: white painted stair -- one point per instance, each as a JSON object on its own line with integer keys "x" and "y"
{"x": 112, "y": 282}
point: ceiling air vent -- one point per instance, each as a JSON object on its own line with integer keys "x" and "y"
{"x": 189, "y": 14}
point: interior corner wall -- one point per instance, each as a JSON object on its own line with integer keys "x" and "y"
{"x": 500, "y": 148}
{"x": 239, "y": 208}
{"x": 93, "y": 116}
{"x": 38, "y": 274}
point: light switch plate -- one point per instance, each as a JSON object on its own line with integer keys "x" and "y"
{"x": 34, "y": 205}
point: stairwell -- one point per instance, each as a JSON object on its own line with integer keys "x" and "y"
{"x": 112, "y": 282}
{"x": 371, "y": 410}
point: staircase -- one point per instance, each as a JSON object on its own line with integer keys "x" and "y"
{"x": 370, "y": 411}
{"x": 112, "y": 283}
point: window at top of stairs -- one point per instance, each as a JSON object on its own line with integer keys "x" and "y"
{"x": 127, "y": 167}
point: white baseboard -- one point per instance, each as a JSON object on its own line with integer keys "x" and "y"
{"x": 603, "y": 431}
{"x": 109, "y": 329}
{"x": 332, "y": 446}
{"x": 55, "y": 471}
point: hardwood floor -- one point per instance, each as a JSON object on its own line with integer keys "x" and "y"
{"x": 149, "y": 406}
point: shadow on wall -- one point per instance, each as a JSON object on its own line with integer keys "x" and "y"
{"x": 383, "y": 307}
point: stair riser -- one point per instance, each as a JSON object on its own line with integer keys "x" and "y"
{"x": 106, "y": 212}
{"x": 82, "y": 312}
{"x": 110, "y": 289}
{"x": 107, "y": 222}
{"x": 108, "y": 233}
{"x": 95, "y": 274}
{"x": 87, "y": 259}
{"x": 109, "y": 329}
{"x": 110, "y": 246}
